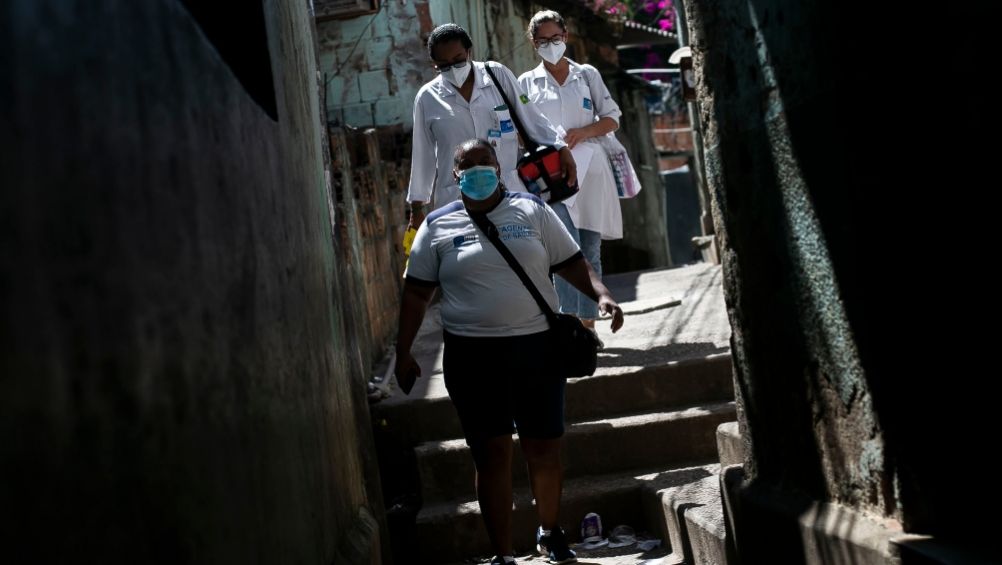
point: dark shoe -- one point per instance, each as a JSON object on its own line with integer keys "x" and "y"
{"x": 554, "y": 546}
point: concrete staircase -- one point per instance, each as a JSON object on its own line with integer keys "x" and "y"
{"x": 650, "y": 428}
{"x": 691, "y": 515}
{"x": 641, "y": 434}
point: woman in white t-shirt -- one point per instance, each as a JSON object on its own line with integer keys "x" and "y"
{"x": 498, "y": 363}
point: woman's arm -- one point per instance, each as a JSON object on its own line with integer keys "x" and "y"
{"x": 580, "y": 274}
{"x": 601, "y": 127}
{"x": 413, "y": 305}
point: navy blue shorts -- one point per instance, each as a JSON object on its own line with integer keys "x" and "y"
{"x": 503, "y": 384}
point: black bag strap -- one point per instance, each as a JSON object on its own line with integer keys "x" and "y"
{"x": 530, "y": 143}
{"x": 491, "y": 231}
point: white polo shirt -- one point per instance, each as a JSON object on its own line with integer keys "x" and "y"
{"x": 481, "y": 295}
{"x": 579, "y": 102}
{"x": 443, "y": 119}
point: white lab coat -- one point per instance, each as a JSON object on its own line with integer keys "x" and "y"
{"x": 582, "y": 100}
{"x": 443, "y": 119}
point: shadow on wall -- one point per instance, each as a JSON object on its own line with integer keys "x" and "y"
{"x": 243, "y": 47}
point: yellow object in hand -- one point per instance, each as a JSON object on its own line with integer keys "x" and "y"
{"x": 409, "y": 240}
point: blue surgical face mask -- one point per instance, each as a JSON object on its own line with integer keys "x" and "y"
{"x": 478, "y": 183}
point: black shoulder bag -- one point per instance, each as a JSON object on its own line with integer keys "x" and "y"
{"x": 576, "y": 347}
{"x": 539, "y": 168}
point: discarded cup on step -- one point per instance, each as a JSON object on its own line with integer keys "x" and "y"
{"x": 622, "y": 536}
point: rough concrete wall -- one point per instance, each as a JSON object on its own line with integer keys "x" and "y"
{"x": 375, "y": 64}
{"x": 507, "y": 42}
{"x": 496, "y": 28}
{"x": 766, "y": 72}
{"x": 851, "y": 388}
{"x": 175, "y": 369}
{"x": 369, "y": 198}
{"x": 471, "y": 15}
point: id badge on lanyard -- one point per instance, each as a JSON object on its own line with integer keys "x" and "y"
{"x": 503, "y": 122}
{"x": 494, "y": 137}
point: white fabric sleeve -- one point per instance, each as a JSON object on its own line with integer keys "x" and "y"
{"x": 524, "y": 82}
{"x": 424, "y": 163}
{"x": 605, "y": 106}
{"x": 537, "y": 126}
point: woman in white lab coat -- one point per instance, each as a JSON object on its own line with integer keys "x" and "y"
{"x": 463, "y": 103}
{"x": 575, "y": 99}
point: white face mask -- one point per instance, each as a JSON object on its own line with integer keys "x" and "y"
{"x": 458, "y": 75}
{"x": 552, "y": 53}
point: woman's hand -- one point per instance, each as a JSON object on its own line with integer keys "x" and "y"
{"x": 607, "y": 305}
{"x": 407, "y": 371}
{"x": 417, "y": 215}
{"x": 601, "y": 127}
{"x": 567, "y": 165}
{"x": 577, "y": 135}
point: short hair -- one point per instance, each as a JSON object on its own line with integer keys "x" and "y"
{"x": 446, "y": 33}
{"x": 465, "y": 146}
{"x": 542, "y": 17}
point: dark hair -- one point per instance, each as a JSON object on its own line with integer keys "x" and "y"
{"x": 446, "y": 33}
{"x": 542, "y": 17}
{"x": 465, "y": 146}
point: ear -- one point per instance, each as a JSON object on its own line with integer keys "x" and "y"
{"x": 455, "y": 174}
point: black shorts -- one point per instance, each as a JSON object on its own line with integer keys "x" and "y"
{"x": 503, "y": 384}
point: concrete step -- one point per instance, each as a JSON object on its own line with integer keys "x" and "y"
{"x": 707, "y": 534}
{"x": 691, "y": 516}
{"x": 596, "y": 447}
{"x": 619, "y": 387}
{"x": 730, "y": 447}
{"x": 780, "y": 526}
{"x": 660, "y": 386}
{"x": 454, "y": 530}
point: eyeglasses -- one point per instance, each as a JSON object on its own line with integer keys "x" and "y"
{"x": 459, "y": 65}
{"x": 555, "y": 40}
